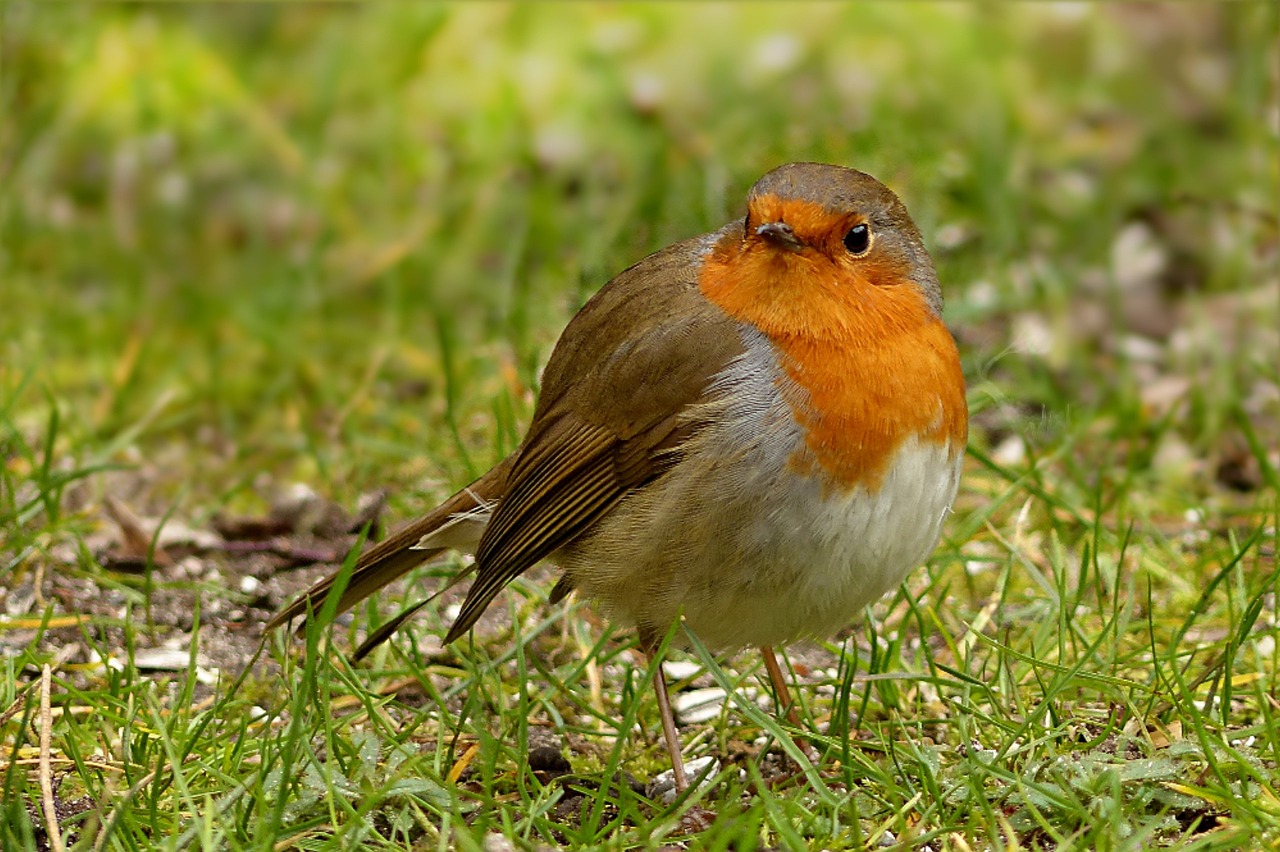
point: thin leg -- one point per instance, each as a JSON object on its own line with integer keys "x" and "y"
{"x": 786, "y": 707}
{"x": 668, "y": 720}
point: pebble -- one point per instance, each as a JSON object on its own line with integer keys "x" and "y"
{"x": 663, "y": 785}
{"x": 699, "y": 705}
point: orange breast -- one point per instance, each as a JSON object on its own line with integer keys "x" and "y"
{"x": 877, "y": 367}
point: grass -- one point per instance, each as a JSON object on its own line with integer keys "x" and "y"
{"x": 250, "y": 246}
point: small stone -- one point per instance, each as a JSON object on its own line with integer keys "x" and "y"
{"x": 498, "y": 843}
{"x": 162, "y": 659}
{"x": 681, "y": 669}
{"x": 699, "y": 771}
{"x": 699, "y": 705}
{"x": 548, "y": 759}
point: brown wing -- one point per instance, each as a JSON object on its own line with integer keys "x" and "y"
{"x": 614, "y": 408}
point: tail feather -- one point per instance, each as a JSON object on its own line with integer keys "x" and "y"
{"x": 394, "y": 556}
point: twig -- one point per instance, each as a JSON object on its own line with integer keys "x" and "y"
{"x": 104, "y": 831}
{"x": 46, "y": 764}
{"x": 303, "y": 555}
{"x": 18, "y": 700}
{"x": 136, "y": 542}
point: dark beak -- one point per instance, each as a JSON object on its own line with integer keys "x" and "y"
{"x": 780, "y": 234}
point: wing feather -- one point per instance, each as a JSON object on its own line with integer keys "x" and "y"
{"x": 641, "y": 354}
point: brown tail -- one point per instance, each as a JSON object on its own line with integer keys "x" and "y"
{"x": 394, "y": 556}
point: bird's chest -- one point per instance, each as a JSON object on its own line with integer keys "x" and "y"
{"x": 752, "y": 537}
{"x": 824, "y": 496}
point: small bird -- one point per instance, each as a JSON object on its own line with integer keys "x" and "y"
{"x": 753, "y": 433}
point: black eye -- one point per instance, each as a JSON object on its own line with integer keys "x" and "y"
{"x": 858, "y": 240}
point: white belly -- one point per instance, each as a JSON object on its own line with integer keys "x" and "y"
{"x": 749, "y": 551}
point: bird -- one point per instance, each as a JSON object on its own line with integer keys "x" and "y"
{"x": 749, "y": 435}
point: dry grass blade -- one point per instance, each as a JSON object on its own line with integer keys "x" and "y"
{"x": 46, "y": 763}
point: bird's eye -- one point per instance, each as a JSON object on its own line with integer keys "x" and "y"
{"x": 858, "y": 240}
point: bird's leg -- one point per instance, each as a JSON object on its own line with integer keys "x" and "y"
{"x": 785, "y": 705}
{"x": 786, "y": 708}
{"x": 650, "y": 649}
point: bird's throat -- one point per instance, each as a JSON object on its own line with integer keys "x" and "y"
{"x": 873, "y": 365}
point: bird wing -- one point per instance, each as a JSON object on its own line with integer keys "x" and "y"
{"x": 618, "y": 399}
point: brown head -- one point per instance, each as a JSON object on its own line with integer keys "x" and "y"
{"x": 844, "y": 220}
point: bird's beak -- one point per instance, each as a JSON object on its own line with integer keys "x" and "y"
{"x": 780, "y": 234}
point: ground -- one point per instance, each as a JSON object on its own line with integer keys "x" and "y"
{"x": 271, "y": 277}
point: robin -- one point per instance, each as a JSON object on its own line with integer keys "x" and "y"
{"x": 754, "y": 433}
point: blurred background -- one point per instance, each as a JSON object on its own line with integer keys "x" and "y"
{"x": 334, "y": 243}
{"x": 258, "y": 261}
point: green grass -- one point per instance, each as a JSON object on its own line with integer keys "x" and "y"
{"x": 248, "y": 246}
